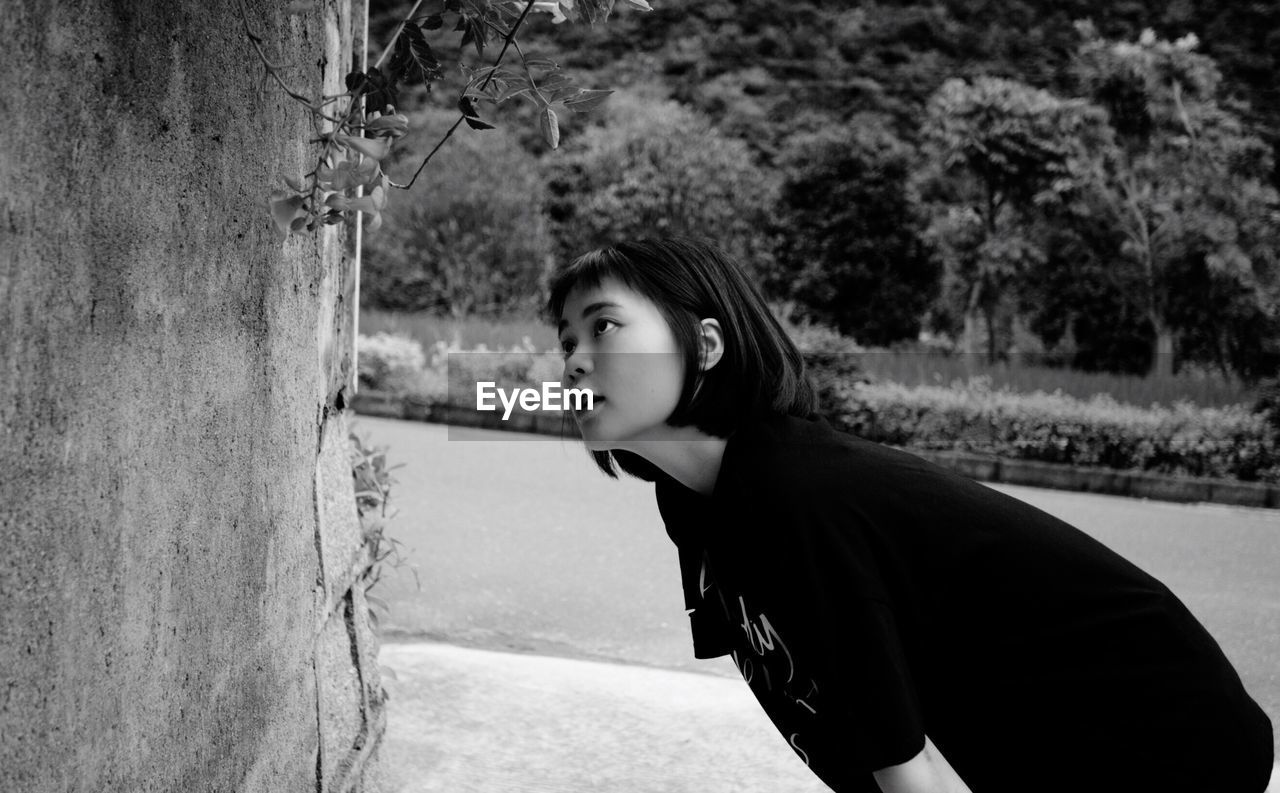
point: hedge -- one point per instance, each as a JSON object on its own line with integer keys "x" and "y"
{"x": 1182, "y": 440}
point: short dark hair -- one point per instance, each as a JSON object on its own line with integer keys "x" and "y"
{"x": 761, "y": 371}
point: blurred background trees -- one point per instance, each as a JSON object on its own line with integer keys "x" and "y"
{"x": 851, "y": 251}
{"x": 1184, "y": 182}
{"x": 655, "y": 166}
{"x": 474, "y": 240}
{"x": 1093, "y": 184}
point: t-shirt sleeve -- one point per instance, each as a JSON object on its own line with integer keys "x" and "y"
{"x": 874, "y": 691}
{"x": 832, "y": 596}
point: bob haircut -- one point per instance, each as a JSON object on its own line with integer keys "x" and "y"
{"x": 689, "y": 280}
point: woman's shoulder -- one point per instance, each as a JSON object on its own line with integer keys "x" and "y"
{"x": 805, "y": 467}
{"x": 798, "y": 457}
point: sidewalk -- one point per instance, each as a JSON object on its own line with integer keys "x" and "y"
{"x": 475, "y": 721}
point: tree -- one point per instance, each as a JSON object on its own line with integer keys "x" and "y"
{"x": 1076, "y": 302}
{"x": 474, "y": 242}
{"x": 850, "y": 247}
{"x": 1181, "y": 178}
{"x": 994, "y": 151}
{"x": 656, "y": 167}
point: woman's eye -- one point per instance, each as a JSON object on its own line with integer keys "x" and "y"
{"x": 601, "y": 323}
{"x": 566, "y": 346}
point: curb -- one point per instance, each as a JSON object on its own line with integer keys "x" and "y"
{"x": 984, "y": 468}
{"x": 1135, "y": 484}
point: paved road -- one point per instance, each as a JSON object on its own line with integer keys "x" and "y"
{"x": 521, "y": 544}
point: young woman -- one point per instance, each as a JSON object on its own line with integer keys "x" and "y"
{"x": 905, "y": 628}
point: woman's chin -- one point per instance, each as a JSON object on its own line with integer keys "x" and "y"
{"x": 595, "y": 441}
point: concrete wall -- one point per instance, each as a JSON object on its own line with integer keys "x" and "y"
{"x": 180, "y": 606}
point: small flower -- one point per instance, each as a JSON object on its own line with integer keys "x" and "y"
{"x": 375, "y": 148}
{"x": 347, "y": 174}
{"x": 553, "y": 8}
{"x": 393, "y": 125}
{"x": 372, "y": 205}
{"x": 287, "y": 213}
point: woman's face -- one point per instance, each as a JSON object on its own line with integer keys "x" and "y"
{"x": 617, "y": 343}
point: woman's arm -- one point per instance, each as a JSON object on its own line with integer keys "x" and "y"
{"x": 927, "y": 772}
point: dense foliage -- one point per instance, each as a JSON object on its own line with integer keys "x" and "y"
{"x": 962, "y": 166}
{"x": 851, "y": 247}
{"x": 475, "y": 241}
{"x": 657, "y": 167}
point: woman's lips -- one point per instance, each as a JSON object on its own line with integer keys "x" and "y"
{"x": 595, "y": 403}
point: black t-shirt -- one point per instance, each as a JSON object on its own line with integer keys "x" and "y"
{"x": 871, "y": 598}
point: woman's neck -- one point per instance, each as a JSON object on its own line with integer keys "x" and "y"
{"x": 687, "y": 455}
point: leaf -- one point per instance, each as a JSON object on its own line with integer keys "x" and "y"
{"x": 476, "y": 123}
{"x": 555, "y": 80}
{"x": 510, "y": 92}
{"x": 432, "y": 22}
{"x": 587, "y": 101}
{"x": 467, "y": 107}
{"x": 477, "y": 76}
{"x": 376, "y": 88}
{"x": 414, "y": 58}
{"x": 640, "y": 4}
{"x": 561, "y": 94}
{"x": 474, "y": 31}
{"x": 591, "y": 11}
{"x": 550, "y": 127}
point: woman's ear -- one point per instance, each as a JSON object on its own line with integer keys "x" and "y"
{"x": 710, "y": 343}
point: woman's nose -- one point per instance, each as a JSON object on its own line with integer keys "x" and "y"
{"x": 577, "y": 366}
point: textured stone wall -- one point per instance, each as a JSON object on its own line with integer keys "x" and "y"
{"x": 180, "y": 606}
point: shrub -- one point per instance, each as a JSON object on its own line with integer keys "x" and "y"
{"x": 388, "y": 362}
{"x": 1267, "y": 403}
{"x": 829, "y": 359}
{"x": 1183, "y": 439}
{"x": 519, "y": 366}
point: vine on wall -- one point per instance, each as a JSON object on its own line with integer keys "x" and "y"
{"x": 373, "y": 481}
